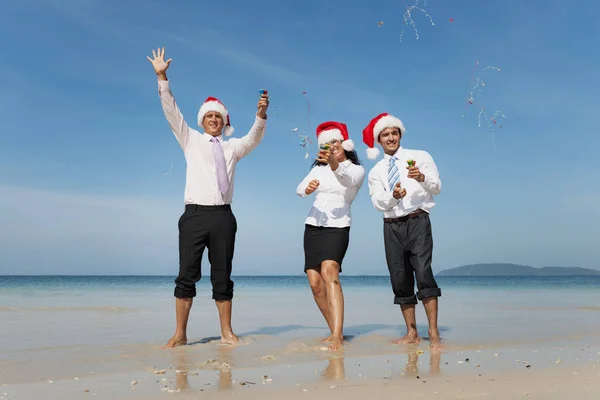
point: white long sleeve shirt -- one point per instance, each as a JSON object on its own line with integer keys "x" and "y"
{"x": 419, "y": 195}
{"x": 335, "y": 194}
{"x": 201, "y": 185}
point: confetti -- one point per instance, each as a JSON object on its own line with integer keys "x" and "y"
{"x": 408, "y": 20}
{"x": 380, "y": 23}
{"x": 305, "y": 141}
{"x": 475, "y": 93}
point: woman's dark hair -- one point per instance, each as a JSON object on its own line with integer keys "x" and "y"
{"x": 350, "y": 155}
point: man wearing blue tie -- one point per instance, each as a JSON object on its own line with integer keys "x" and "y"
{"x": 208, "y": 221}
{"x": 402, "y": 186}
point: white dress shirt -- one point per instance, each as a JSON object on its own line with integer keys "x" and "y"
{"x": 419, "y": 195}
{"x": 335, "y": 194}
{"x": 201, "y": 185}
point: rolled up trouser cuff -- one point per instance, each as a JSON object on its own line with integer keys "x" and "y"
{"x": 219, "y": 296}
{"x": 405, "y": 300}
{"x": 426, "y": 293}
{"x": 184, "y": 294}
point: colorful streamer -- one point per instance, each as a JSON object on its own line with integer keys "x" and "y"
{"x": 408, "y": 20}
{"x": 474, "y": 99}
{"x": 305, "y": 141}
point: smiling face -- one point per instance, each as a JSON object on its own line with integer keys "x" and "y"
{"x": 338, "y": 150}
{"x": 213, "y": 123}
{"x": 390, "y": 140}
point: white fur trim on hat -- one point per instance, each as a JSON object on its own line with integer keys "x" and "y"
{"x": 212, "y": 106}
{"x": 389, "y": 121}
{"x": 329, "y": 135}
{"x": 372, "y": 153}
{"x": 228, "y": 130}
{"x": 348, "y": 145}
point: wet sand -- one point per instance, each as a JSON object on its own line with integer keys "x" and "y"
{"x": 558, "y": 370}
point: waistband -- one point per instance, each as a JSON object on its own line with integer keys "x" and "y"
{"x": 413, "y": 214}
{"x": 199, "y": 207}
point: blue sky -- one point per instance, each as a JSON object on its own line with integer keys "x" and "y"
{"x": 85, "y": 149}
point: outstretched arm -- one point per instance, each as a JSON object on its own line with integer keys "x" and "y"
{"x": 244, "y": 145}
{"x": 180, "y": 128}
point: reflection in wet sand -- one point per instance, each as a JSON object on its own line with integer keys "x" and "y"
{"x": 225, "y": 379}
{"x": 185, "y": 361}
{"x": 335, "y": 370}
{"x": 412, "y": 365}
{"x": 435, "y": 360}
{"x": 180, "y": 360}
{"x": 225, "y": 355}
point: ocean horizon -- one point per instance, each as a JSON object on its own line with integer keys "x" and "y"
{"x": 249, "y": 281}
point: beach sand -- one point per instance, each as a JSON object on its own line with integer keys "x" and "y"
{"x": 557, "y": 370}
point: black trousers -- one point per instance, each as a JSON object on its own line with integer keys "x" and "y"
{"x": 200, "y": 227}
{"x": 408, "y": 251}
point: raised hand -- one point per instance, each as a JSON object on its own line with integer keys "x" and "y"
{"x": 325, "y": 156}
{"x": 312, "y": 186}
{"x": 158, "y": 62}
{"x": 415, "y": 173}
{"x": 263, "y": 104}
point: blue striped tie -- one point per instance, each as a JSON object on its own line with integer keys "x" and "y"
{"x": 393, "y": 173}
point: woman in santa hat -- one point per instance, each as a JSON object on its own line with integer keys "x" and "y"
{"x": 335, "y": 177}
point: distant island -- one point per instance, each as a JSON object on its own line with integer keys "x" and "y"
{"x": 515, "y": 270}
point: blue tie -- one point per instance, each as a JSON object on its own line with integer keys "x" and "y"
{"x": 393, "y": 173}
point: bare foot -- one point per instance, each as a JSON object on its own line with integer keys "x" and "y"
{"x": 435, "y": 343}
{"x": 327, "y": 339}
{"x": 176, "y": 341}
{"x": 412, "y": 337}
{"x": 336, "y": 343}
{"x": 230, "y": 339}
{"x": 436, "y": 346}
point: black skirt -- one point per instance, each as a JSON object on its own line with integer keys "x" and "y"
{"x": 324, "y": 243}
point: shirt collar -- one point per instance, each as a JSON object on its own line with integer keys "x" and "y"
{"x": 209, "y": 137}
{"x": 397, "y": 155}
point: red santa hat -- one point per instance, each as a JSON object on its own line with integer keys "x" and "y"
{"x": 375, "y": 127}
{"x": 215, "y": 105}
{"x": 328, "y": 131}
